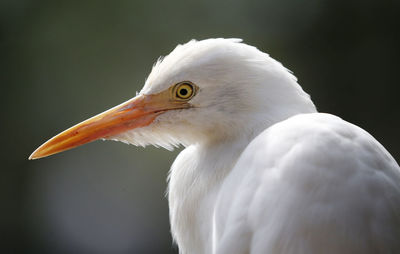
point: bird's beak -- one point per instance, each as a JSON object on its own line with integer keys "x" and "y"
{"x": 137, "y": 112}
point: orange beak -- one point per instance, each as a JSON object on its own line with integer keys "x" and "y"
{"x": 137, "y": 112}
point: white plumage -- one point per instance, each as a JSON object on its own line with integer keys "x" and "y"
{"x": 310, "y": 184}
{"x": 262, "y": 171}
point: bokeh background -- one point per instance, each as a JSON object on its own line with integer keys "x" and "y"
{"x": 64, "y": 61}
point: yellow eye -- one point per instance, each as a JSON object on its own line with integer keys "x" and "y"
{"x": 184, "y": 91}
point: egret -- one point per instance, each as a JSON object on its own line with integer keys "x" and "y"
{"x": 262, "y": 171}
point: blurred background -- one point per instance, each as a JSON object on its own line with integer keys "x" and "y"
{"x": 64, "y": 61}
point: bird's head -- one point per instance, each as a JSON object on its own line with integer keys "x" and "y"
{"x": 203, "y": 91}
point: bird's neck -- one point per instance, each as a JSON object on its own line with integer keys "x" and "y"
{"x": 195, "y": 179}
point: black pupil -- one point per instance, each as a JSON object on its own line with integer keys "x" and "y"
{"x": 183, "y": 91}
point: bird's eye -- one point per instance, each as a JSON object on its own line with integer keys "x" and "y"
{"x": 184, "y": 90}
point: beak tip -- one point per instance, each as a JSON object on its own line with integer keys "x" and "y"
{"x": 33, "y": 156}
{"x": 37, "y": 154}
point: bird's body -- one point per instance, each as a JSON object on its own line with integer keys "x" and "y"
{"x": 262, "y": 171}
{"x": 310, "y": 184}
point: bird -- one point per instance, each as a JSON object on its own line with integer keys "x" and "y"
{"x": 262, "y": 171}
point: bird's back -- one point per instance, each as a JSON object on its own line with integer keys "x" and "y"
{"x": 310, "y": 184}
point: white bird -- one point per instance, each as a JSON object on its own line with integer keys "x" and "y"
{"x": 262, "y": 171}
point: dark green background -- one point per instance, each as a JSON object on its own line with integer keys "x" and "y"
{"x": 64, "y": 61}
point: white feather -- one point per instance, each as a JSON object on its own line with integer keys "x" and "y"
{"x": 262, "y": 172}
{"x": 311, "y": 184}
